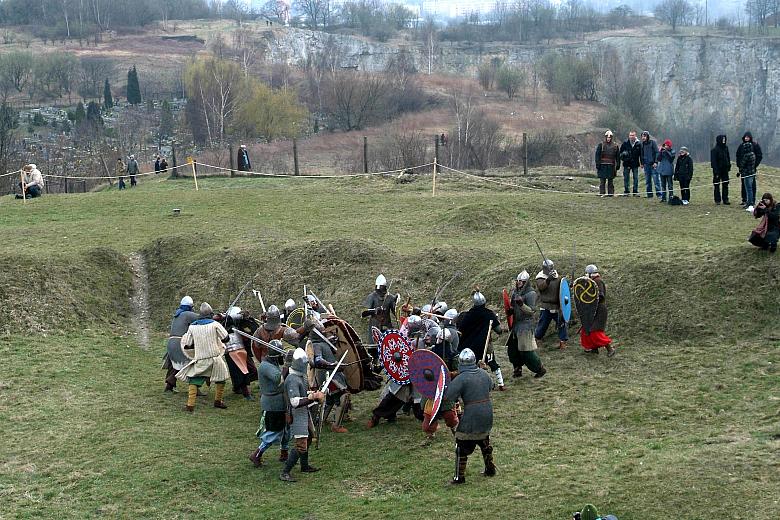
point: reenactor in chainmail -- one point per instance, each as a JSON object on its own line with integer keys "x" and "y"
{"x": 325, "y": 361}
{"x": 380, "y": 306}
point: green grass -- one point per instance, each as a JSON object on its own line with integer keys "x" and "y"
{"x": 683, "y": 423}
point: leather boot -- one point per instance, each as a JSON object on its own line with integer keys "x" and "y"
{"x": 257, "y": 458}
{"x": 220, "y": 404}
{"x": 283, "y": 455}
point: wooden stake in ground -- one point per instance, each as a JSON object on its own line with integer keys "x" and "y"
{"x": 433, "y": 194}
{"x": 194, "y": 172}
{"x": 487, "y": 341}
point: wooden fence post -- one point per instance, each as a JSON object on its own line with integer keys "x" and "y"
{"x": 525, "y": 154}
{"x": 230, "y": 152}
{"x": 175, "y": 170}
{"x": 295, "y": 156}
{"x": 365, "y": 154}
{"x": 195, "y": 173}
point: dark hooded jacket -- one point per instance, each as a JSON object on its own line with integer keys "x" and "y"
{"x": 720, "y": 160}
{"x": 743, "y": 149}
{"x": 631, "y": 154}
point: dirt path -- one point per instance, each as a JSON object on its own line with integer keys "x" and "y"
{"x": 139, "y": 302}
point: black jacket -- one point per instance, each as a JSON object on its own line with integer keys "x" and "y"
{"x": 630, "y": 154}
{"x": 720, "y": 160}
{"x": 756, "y": 150}
{"x": 683, "y": 170}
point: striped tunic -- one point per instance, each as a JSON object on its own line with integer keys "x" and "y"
{"x": 209, "y": 358}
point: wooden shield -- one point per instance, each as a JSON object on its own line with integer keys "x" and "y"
{"x": 564, "y": 297}
{"x": 438, "y": 398}
{"x": 424, "y": 370}
{"x": 296, "y": 317}
{"x": 395, "y": 351}
{"x": 586, "y": 299}
{"x": 510, "y": 319}
{"x": 357, "y": 362}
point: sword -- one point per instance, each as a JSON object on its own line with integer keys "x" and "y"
{"x": 317, "y": 299}
{"x": 326, "y": 340}
{"x": 330, "y": 377}
{"x": 540, "y": 250}
{"x": 260, "y": 341}
{"x": 240, "y": 293}
{"x": 487, "y": 341}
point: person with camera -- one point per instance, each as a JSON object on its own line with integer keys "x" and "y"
{"x": 766, "y": 234}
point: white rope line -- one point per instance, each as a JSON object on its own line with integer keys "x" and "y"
{"x": 114, "y": 176}
{"x": 578, "y": 193}
{"x": 338, "y": 176}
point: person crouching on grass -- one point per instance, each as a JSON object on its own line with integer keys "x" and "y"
{"x": 766, "y": 234}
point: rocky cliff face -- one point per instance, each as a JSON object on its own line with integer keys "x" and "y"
{"x": 732, "y": 83}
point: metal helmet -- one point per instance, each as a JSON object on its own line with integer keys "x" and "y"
{"x": 451, "y": 314}
{"x": 273, "y": 318}
{"x": 381, "y": 281}
{"x": 273, "y": 312}
{"x": 440, "y": 308}
{"x": 273, "y": 353}
{"x": 523, "y": 276}
{"x": 548, "y": 265}
{"x": 426, "y": 307}
{"x": 187, "y": 300}
{"x": 299, "y": 360}
{"x": 432, "y": 333}
{"x": 206, "y": 310}
{"x": 414, "y": 324}
{"x": 289, "y": 306}
{"x": 467, "y": 357}
{"x": 591, "y": 269}
{"x": 444, "y": 335}
{"x": 479, "y": 298}
{"x": 234, "y": 313}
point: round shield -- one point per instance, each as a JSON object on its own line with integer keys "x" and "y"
{"x": 424, "y": 370}
{"x": 441, "y": 384}
{"x": 296, "y": 317}
{"x": 585, "y": 293}
{"x": 564, "y": 296}
{"x": 394, "y": 353}
{"x": 376, "y": 335}
{"x": 508, "y": 308}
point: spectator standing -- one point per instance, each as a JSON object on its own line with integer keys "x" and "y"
{"x": 163, "y": 165}
{"x": 767, "y": 233}
{"x": 748, "y": 158}
{"x": 683, "y": 173}
{"x": 606, "y": 158}
{"x": 157, "y": 165}
{"x": 720, "y": 161}
{"x": 244, "y": 165}
{"x": 649, "y": 161}
{"x": 119, "y": 169}
{"x": 666, "y": 170}
{"x": 630, "y": 154}
{"x": 132, "y": 170}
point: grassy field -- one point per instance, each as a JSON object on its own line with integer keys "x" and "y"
{"x": 682, "y": 423}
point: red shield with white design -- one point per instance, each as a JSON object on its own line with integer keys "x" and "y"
{"x": 395, "y": 351}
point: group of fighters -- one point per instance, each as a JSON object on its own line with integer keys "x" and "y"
{"x": 302, "y": 383}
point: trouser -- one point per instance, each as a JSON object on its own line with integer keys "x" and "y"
{"x": 627, "y": 177}
{"x": 518, "y": 358}
{"x": 196, "y": 382}
{"x": 341, "y": 402}
{"x": 667, "y": 187}
{"x": 268, "y": 438}
{"x": 30, "y": 192}
{"x": 652, "y": 178}
{"x": 491, "y": 362}
{"x": 133, "y": 182}
{"x": 300, "y": 452}
{"x": 769, "y": 242}
{"x": 685, "y": 191}
{"x": 720, "y": 183}
{"x": 170, "y": 377}
{"x": 122, "y": 183}
{"x": 387, "y": 407}
{"x": 606, "y": 186}
{"x": 431, "y": 424}
{"x": 749, "y": 187}
{"x": 545, "y": 318}
{"x": 464, "y": 448}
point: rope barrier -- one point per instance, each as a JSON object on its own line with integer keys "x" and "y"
{"x": 142, "y": 174}
{"x": 338, "y": 176}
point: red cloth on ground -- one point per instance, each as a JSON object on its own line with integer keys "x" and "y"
{"x": 594, "y": 340}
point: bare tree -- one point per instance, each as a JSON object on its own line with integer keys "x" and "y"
{"x": 673, "y": 12}
{"x": 94, "y": 71}
{"x": 314, "y": 10}
{"x": 356, "y": 99}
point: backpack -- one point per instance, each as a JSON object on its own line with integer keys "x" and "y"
{"x": 675, "y": 201}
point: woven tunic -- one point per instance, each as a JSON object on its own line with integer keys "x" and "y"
{"x": 209, "y": 352}
{"x": 473, "y": 386}
{"x": 179, "y": 326}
